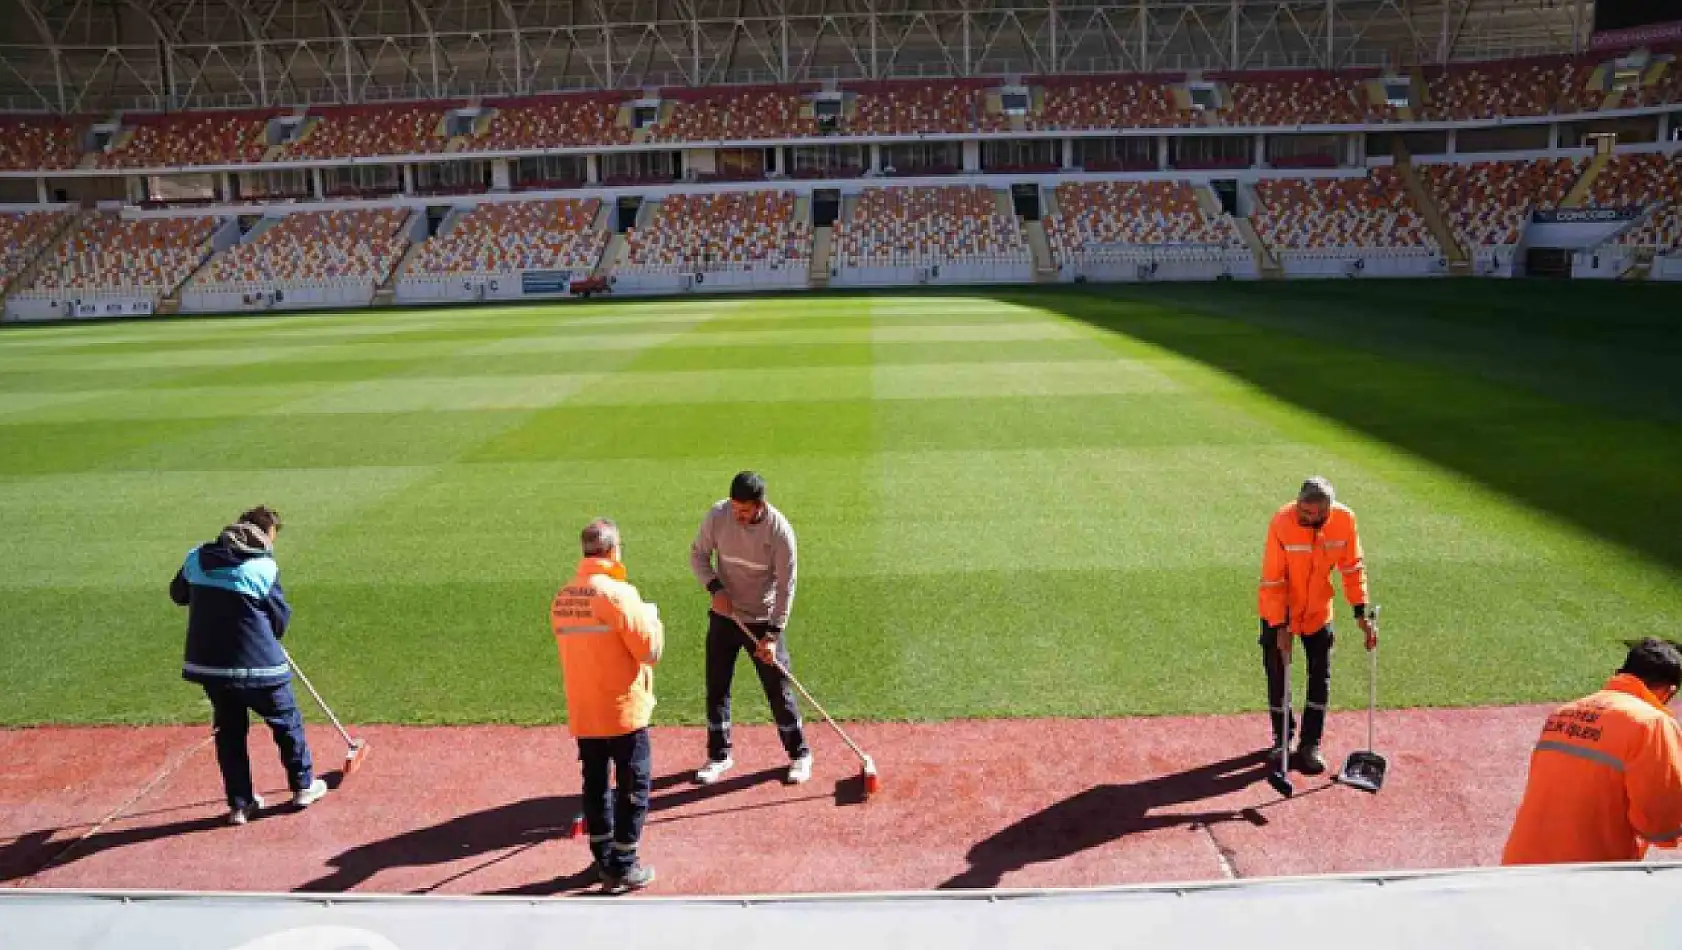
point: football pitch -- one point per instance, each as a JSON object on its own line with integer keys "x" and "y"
{"x": 1008, "y": 503}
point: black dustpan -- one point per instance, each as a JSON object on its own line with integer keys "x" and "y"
{"x": 1366, "y": 769}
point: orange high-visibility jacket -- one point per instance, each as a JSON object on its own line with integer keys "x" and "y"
{"x": 1297, "y": 563}
{"x": 1605, "y": 781}
{"x": 609, "y": 641}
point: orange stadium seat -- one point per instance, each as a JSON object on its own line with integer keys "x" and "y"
{"x": 357, "y": 244}
{"x": 729, "y": 231}
{"x": 140, "y": 255}
{"x": 505, "y": 237}
{"x": 1097, "y": 220}
{"x": 1488, "y": 203}
{"x": 898, "y": 227}
{"x": 1324, "y": 213}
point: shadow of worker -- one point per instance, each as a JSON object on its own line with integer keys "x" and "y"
{"x": 1105, "y": 813}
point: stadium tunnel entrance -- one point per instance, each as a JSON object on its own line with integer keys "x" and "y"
{"x": 1025, "y": 198}
{"x": 826, "y": 207}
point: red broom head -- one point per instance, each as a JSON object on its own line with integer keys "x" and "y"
{"x": 355, "y": 756}
{"x": 872, "y": 781}
{"x": 577, "y": 826}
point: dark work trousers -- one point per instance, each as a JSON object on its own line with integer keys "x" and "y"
{"x": 1317, "y": 647}
{"x": 614, "y": 819}
{"x": 231, "y": 706}
{"x": 724, "y": 641}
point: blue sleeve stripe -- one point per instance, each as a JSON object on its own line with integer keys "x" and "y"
{"x": 253, "y": 578}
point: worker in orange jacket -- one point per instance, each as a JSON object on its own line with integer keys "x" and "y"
{"x": 1307, "y": 540}
{"x": 609, "y": 641}
{"x": 1606, "y": 774}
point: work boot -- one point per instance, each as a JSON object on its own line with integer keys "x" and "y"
{"x": 1308, "y": 761}
{"x": 305, "y": 797}
{"x": 637, "y": 877}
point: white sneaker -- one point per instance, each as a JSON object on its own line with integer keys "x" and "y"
{"x": 800, "y": 770}
{"x": 306, "y": 797}
{"x": 714, "y": 770}
{"x": 240, "y": 816}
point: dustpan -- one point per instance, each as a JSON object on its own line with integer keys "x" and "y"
{"x": 1366, "y": 769}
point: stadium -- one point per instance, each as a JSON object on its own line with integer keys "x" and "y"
{"x": 1031, "y": 315}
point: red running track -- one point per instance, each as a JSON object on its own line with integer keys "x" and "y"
{"x": 1010, "y": 803}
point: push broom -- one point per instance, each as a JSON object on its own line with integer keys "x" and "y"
{"x": 872, "y": 781}
{"x": 356, "y": 750}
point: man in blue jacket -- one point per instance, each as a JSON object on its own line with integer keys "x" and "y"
{"x": 236, "y": 615}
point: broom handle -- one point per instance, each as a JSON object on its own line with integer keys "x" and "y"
{"x": 318, "y": 700}
{"x": 1372, "y": 693}
{"x": 815, "y": 705}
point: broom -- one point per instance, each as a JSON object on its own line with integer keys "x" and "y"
{"x": 356, "y": 750}
{"x": 872, "y": 781}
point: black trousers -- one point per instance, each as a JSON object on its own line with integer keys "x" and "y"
{"x": 1317, "y": 647}
{"x": 724, "y": 642}
{"x": 615, "y": 818}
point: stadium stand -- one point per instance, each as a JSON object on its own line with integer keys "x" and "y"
{"x": 1313, "y": 214}
{"x": 1505, "y": 88}
{"x": 1294, "y": 99}
{"x": 110, "y": 254}
{"x": 553, "y": 122}
{"x": 352, "y": 131}
{"x": 1123, "y": 220}
{"x": 38, "y": 142}
{"x": 315, "y": 246}
{"x": 1082, "y": 104}
{"x": 911, "y": 108}
{"x": 1652, "y": 182}
{"x": 1488, "y": 203}
{"x": 763, "y": 113}
{"x": 182, "y": 140}
{"x": 914, "y": 226}
{"x": 506, "y": 237}
{"x": 21, "y": 238}
{"x": 740, "y": 230}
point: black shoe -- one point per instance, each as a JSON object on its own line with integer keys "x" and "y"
{"x": 1308, "y": 761}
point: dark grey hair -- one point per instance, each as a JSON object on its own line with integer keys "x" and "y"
{"x": 600, "y": 537}
{"x": 1317, "y": 489}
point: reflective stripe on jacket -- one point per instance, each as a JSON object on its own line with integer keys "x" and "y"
{"x": 1297, "y": 564}
{"x": 1605, "y": 781}
{"x": 609, "y": 641}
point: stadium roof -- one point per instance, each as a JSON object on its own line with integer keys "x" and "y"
{"x": 81, "y": 56}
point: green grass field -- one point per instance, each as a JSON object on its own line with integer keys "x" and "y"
{"x": 1008, "y": 504}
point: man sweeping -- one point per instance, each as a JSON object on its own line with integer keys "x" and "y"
{"x": 236, "y": 615}
{"x": 752, "y": 578}
{"x": 1307, "y": 540}
{"x": 1605, "y": 778}
{"x": 609, "y": 642}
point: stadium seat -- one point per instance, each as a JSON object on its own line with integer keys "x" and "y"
{"x": 133, "y": 255}
{"x": 1488, "y": 204}
{"x": 730, "y": 231}
{"x": 1079, "y": 104}
{"x": 198, "y": 138}
{"x": 553, "y": 122}
{"x": 39, "y": 143}
{"x": 1125, "y": 220}
{"x": 1652, "y": 183}
{"x": 21, "y": 237}
{"x": 1305, "y": 214}
{"x": 353, "y": 131}
{"x": 763, "y": 113}
{"x": 900, "y": 227}
{"x": 1295, "y": 99}
{"x": 507, "y": 237}
{"x": 315, "y": 246}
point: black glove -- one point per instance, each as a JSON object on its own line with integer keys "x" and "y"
{"x": 1271, "y": 628}
{"x": 714, "y": 586}
{"x": 1360, "y": 611}
{"x": 772, "y": 630}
